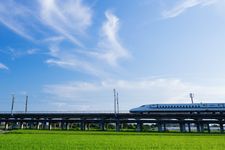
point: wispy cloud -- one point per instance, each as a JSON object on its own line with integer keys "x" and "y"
{"x": 184, "y": 5}
{"x": 16, "y": 19}
{"x": 70, "y": 18}
{"x": 72, "y": 59}
{"x": 110, "y": 47}
{"x": 52, "y": 23}
{"x": 98, "y": 95}
{"x": 4, "y": 67}
{"x": 16, "y": 53}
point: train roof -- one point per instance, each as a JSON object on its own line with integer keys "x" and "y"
{"x": 188, "y": 104}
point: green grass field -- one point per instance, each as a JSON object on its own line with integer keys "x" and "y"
{"x": 63, "y": 140}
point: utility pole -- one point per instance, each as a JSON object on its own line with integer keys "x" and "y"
{"x": 114, "y": 91}
{"x": 26, "y": 104}
{"x": 117, "y": 98}
{"x": 12, "y": 106}
{"x": 192, "y": 97}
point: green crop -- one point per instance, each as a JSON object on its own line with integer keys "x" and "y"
{"x": 72, "y": 140}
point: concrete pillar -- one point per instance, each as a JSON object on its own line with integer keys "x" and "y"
{"x": 49, "y": 126}
{"x": 221, "y": 128}
{"x": 82, "y": 126}
{"x": 208, "y": 127}
{"x": 38, "y": 126}
{"x": 30, "y": 125}
{"x": 198, "y": 127}
{"x": 159, "y": 124}
{"x": 6, "y": 126}
{"x": 21, "y": 125}
{"x": 164, "y": 126}
{"x": 13, "y": 125}
{"x": 139, "y": 126}
{"x": 62, "y": 125}
{"x": 202, "y": 127}
{"x": 189, "y": 127}
{"x": 88, "y": 126}
{"x": 102, "y": 125}
{"x": 45, "y": 125}
{"x": 117, "y": 126}
{"x": 182, "y": 127}
{"x": 67, "y": 126}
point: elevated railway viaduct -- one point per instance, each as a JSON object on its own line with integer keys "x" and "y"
{"x": 47, "y": 120}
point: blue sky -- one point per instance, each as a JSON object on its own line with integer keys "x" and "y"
{"x": 69, "y": 55}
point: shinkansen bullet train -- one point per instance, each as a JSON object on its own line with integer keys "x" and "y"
{"x": 195, "y": 107}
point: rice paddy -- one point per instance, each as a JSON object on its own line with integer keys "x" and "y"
{"x": 88, "y": 140}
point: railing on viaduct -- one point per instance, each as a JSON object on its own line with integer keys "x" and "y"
{"x": 64, "y": 120}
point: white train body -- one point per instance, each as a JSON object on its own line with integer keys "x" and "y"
{"x": 179, "y": 107}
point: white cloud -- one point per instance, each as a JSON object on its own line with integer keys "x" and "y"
{"x": 32, "y": 51}
{"x": 16, "y": 53}
{"x": 55, "y": 24}
{"x": 15, "y": 17}
{"x": 184, "y": 5}
{"x": 69, "y": 18}
{"x": 69, "y": 59}
{"x": 2, "y": 66}
{"x": 111, "y": 49}
{"x": 133, "y": 93}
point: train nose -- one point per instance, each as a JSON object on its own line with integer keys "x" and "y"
{"x": 134, "y": 110}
